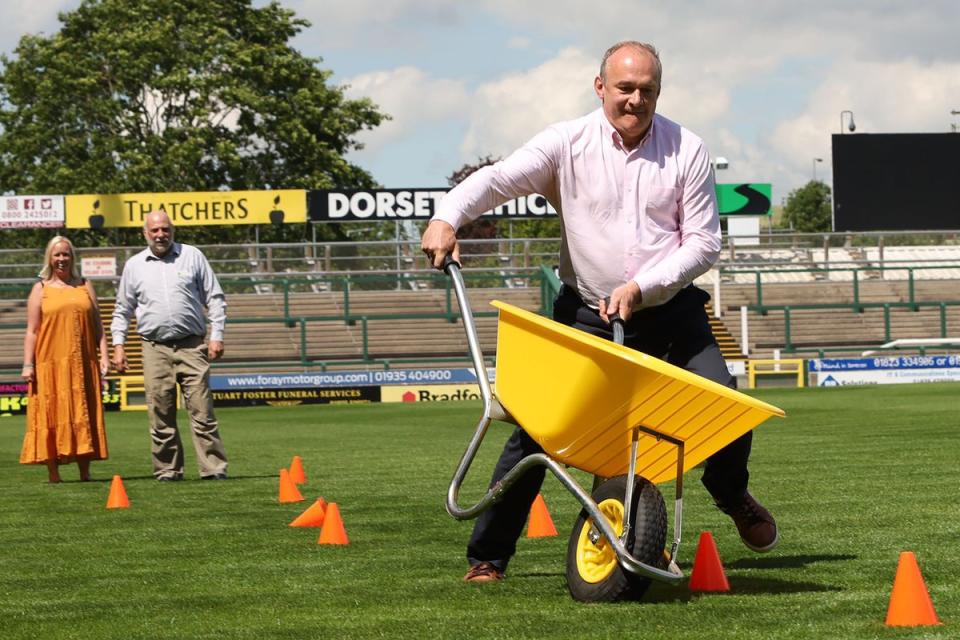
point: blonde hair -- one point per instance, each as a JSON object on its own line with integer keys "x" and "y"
{"x": 47, "y": 271}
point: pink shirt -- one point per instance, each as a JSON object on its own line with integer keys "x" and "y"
{"x": 648, "y": 214}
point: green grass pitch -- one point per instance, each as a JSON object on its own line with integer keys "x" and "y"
{"x": 854, "y": 475}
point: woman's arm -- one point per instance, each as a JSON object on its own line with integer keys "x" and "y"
{"x": 99, "y": 334}
{"x": 30, "y": 338}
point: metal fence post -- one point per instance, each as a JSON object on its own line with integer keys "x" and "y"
{"x": 304, "y": 360}
{"x": 763, "y": 311}
{"x": 363, "y": 328}
{"x": 787, "y": 341}
{"x": 856, "y": 291}
{"x": 913, "y": 301}
{"x": 744, "y": 331}
{"x": 716, "y": 295}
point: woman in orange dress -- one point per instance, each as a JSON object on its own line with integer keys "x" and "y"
{"x": 60, "y": 363}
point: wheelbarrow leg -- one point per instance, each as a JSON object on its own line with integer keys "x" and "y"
{"x": 631, "y": 476}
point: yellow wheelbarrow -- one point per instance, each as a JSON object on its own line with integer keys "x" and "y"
{"x": 630, "y": 419}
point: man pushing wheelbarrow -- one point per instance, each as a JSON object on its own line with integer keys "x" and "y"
{"x": 636, "y": 197}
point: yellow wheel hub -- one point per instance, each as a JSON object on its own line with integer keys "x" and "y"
{"x": 595, "y": 562}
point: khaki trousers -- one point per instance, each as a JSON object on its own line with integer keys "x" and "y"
{"x": 165, "y": 365}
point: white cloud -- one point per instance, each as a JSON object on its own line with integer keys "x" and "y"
{"x": 413, "y": 100}
{"x": 509, "y": 111}
{"x": 701, "y": 29}
{"x": 762, "y": 82}
{"x": 366, "y": 12}
{"x": 885, "y": 97}
{"x": 347, "y": 24}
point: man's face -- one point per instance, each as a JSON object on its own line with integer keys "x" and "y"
{"x": 629, "y": 93}
{"x": 159, "y": 234}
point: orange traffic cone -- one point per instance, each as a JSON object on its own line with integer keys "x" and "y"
{"x": 296, "y": 470}
{"x": 313, "y": 516}
{"x": 333, "y": 531}
{"x": 707, "y": 573}
{"x": 910, "y": 604}
{"x": 540, "y": 524}
{"x": 118, "y": 495}
{"x": 288, "y": 488}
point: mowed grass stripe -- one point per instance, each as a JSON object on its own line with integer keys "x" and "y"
{"x": 854, "y": 476}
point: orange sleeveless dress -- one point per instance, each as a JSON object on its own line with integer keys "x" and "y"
{"x": 64, "y": 406}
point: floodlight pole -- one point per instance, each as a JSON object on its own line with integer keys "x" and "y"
{"x": 851, "y": 126}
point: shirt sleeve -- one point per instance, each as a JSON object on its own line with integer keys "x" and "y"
{"x": 530, "y": 169}
{"x": 123, "y": 309}
{"x": 699, "y": 228}
{"x": 214, "y": 299}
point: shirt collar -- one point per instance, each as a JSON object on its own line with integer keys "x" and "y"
{"x": 617, "y": 139}
{"x": 174, "y": 251}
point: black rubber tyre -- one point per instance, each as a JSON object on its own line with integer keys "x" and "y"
{"x": 593, "y": 572}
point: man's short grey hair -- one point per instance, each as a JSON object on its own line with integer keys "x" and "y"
{"x": 645, "y": 46}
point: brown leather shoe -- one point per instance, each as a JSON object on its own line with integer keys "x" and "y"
{"x": 756, "y": 526}
{"x": 483, "y": 572}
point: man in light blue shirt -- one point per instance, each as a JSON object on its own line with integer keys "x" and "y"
{"x": 168, "y": 285}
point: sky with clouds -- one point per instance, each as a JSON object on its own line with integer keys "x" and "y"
{"x": 764, "y": 82}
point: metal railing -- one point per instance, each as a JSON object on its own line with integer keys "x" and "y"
{"x": 886, "y": 307}
{"x": 856, "y": 304}
{"x": 342, "y": 286}
{"x": 348, "y": 266}
{"x": 258, "y": 259}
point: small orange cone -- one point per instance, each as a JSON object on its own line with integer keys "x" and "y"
{"x": 296, "y": 470}
{"x": 910, "y": 604}
{"x": 288, "y": 488}
{"x": 118, "y": 495}
{"x": 540, "y": 524}
{"x": 313, "y": 516}
{"x": 707, "y": 573}
{"x": 333, "y": 531}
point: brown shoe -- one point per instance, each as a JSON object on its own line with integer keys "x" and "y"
{"x": 757, "y": 528}
{"x": 483, "y": 572}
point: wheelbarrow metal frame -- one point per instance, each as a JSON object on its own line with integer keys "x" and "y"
{"x": 493, "y": 410}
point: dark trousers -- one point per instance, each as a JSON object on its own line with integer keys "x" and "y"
{"x": 678, "y": 332}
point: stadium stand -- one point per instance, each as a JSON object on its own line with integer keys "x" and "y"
{"x": 836, "y": 300}
{"x": 383, "y": 325}
{"x": 831, "y": 315}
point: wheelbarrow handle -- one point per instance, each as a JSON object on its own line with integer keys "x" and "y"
{"x": 616, "y": 322}
{"x": 448, "y": 261}
{"x": 452, "y": 268}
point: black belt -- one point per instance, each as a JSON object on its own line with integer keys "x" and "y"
{"x": 176, "y": 342}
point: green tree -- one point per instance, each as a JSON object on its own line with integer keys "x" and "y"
{"x": 808, "y": 208}
{"x": 176, "y": 95}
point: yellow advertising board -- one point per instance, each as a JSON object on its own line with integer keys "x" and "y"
{"x": 190, "y": 208}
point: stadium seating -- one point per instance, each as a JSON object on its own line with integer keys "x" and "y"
{"x": 389, "y": 335}
{"x": 843, "y": 325}
{"x": 842, "y": 299}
